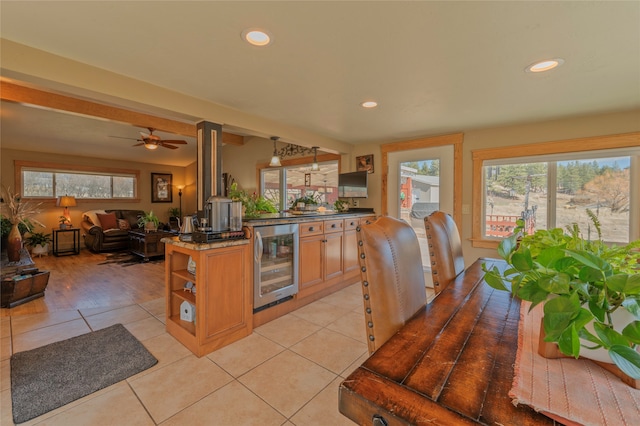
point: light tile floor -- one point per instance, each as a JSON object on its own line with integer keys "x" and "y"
{"x": 287, "y": 372}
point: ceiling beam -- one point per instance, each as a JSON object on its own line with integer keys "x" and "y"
{"x": 10, "y": 91}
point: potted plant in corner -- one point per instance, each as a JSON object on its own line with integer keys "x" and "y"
{"x": 584, "y": 287}
{"x": 149, "y": 222}
{"x": 17, "y": 212}
{"x": 39, "y": 243}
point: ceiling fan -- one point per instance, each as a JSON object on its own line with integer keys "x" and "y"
{"x": 151, "y": 141}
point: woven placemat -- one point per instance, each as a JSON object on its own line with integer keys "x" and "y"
{"x": 572, "y": 391}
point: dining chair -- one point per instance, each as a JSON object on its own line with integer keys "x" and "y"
{"x": 445, "y": 249}
{"x": 393, "y": 285}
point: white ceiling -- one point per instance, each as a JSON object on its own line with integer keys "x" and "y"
{"x": 434, "y": 67}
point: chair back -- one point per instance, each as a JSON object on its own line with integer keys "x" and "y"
{"x": 445, "y": 249}
{"x": 393, "y": 285}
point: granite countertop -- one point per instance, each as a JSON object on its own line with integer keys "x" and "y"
{"x": 205, "y": 246}
{"x": 287, "y": 217}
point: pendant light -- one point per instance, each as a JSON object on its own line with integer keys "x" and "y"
{"x": 275, "y": 160}
{"x": 315, "y": 166}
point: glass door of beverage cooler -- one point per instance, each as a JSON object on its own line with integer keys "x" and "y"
{"x": 275, "y": 264}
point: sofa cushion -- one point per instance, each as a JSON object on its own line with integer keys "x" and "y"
{"x": 108, "y": 221}
{"x": 91, "y": 216}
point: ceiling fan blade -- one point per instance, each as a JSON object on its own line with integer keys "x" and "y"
{"x": 167, "y": 146}
{"x": 138, "y": 144}
{"x": 177, "y": 142}
{"x": 122, "y": 137}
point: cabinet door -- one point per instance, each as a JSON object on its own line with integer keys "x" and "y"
{"x": 225, "y": 292}
{"x": 311, "y": 269}
{"x": 350, "y": 251}
{"x": 332, "y": 255}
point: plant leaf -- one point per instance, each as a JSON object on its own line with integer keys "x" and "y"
{"x": 494, "y": 280}
{"x": 522, "y": 261}
{"x": 507, "y": 245}
{"x": 632, "y": 305}
{"x": 632, "y": 332}
{"x": 624, "y": 283}
{"x": 558, "y": 283}
{"x": 591, "y": 260}
{"x": 627, "y": 359}
{"x": 608, "y": 335}
{"x": 569, "y": 342}
{"x": 549, "y": 256}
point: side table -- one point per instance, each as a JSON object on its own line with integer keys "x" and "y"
{"x": 75, "y": 234}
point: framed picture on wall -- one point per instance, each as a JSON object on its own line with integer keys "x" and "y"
{"x": 364, "y": 162}
{"x": 161, "y": 188}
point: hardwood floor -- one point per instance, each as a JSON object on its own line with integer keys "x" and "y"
{"x": 80, "y": 282}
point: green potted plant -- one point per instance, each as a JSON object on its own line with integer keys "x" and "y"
{"x": 174, "y": 212}
{"x": 64, "y": 222}
{"x": 308, "y": 201}
{"x": 341, "y": 205}
{"x": 252, "y": 205}
{"x": 584, "y": 286}
{"x": 149, "y": 221}
{"x": 39, "y": 243}
{"x": 17, "y": 212}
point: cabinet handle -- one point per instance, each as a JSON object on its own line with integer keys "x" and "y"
{"x": 311, "y": 228}
{"x": 333, "y": 225}
{"x": 352, "y": 224}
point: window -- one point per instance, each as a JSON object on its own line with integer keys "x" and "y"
{"x": 51, "y": 181}
{"x": 298, "y": 181}
{"x": 554, "y": 189}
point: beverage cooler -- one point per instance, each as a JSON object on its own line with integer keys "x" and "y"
{"x": 275, "y": 255}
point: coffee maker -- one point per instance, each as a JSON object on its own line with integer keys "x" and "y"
{"x": 222, "y": 220}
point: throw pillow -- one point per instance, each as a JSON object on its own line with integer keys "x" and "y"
{"x": 108, "y": 221}
{"x": 92, "y": 216}
{"x": 123, "y": 225}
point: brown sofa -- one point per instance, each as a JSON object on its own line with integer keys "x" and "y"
{"x": 98, "y": 239}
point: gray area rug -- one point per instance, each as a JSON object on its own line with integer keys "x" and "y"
{"x": 127, "y": 259}
{"x": 51, "y": 376}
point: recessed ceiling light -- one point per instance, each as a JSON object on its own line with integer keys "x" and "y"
{"x": 545, "y": 65}
{"x": 369, "y": 104}
{"x": 256, "y": 37}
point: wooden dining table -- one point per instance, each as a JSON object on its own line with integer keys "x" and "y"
{"x": 452, "y": 363}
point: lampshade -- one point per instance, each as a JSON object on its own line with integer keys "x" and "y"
{"x": 151, "y": 145}
{"x": 275, "y": 160}
{"x": 66, "y": 201}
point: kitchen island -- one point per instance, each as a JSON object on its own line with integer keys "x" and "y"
{"x": 208, "y": 292}
{"x": 209, "y": 286}
{"x": 327, "y": 257}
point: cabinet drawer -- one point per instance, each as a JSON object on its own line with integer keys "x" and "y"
{"x": 351, "y": 223}
{"x": 333, "y": 225}
{"x": 311, "y": 228}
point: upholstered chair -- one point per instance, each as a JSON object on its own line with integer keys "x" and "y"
{"x": 393, "y": 285}
{"x": 445, "y": 249}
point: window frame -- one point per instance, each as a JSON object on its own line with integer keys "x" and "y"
{"x": 579, "y": 145}
{"x": 323, "y": 158}
{"x": 19, "y": 165}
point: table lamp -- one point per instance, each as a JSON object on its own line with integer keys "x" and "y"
{"x": 66, "y": 202}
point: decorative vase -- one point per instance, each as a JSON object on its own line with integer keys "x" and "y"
{"x": 14, "y": 244}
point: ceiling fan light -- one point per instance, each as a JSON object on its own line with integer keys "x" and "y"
{"x": 151, "y": 146}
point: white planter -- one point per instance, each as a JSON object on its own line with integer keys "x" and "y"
{"x": 620, "y": 318}
{"x": 40, "y": 250}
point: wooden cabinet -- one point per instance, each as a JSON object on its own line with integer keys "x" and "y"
{"x": 222, "y": 298}
{"x": 350, "y": 240}
{"x": 321, "y": 255}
